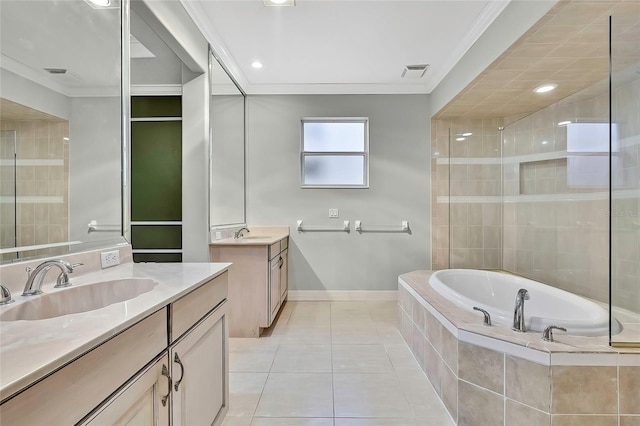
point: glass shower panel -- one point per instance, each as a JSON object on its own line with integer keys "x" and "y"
{"x": 8, "y": 229}
{"x": 625, "y": 189}
{"x": 556, "y": 195}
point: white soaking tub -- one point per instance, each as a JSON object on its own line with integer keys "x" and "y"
{"x": 496, "y": 293}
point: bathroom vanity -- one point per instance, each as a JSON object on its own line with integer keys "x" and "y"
{"x": 258, "y": 278}
{"x": 160, "y": 357}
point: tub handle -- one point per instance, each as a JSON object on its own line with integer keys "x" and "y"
{"x": 487, "y": 316}
{"x": 547, "y": 334}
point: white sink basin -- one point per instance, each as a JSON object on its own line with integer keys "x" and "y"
{"x": 74, "y": 300}
{"x": 255, "y": 237}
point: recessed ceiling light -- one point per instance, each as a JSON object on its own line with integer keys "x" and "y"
{"x": 467, "y": 134}
{"x": 564, "y": 123}
{"x": 545, "y": 88}
{"x": 256, "y": 64}
{"x": 98, "y": 3}
{"x": 279, "y": 2}
{"x": 461, "y": 139}
{"x": 545, "y": 142}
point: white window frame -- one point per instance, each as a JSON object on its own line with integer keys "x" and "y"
{"x": 364, "y": 153}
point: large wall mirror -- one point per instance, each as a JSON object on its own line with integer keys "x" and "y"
{"x": 60, "y": 122}
{"x": 227, "y": 153}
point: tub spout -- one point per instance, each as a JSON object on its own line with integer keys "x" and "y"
{"x": 518, "y": 313}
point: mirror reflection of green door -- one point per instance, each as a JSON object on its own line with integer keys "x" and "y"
{"x": 156, "y": 178}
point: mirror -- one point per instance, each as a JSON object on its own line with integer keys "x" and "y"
{"x": 60, "y": 117}
{"x": 227, "y": 150}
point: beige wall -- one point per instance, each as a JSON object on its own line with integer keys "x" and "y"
{"x": 466, "y": 188}
{"x": 44, "y": 221}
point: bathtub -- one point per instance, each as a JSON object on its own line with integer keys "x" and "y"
{"x": 496, "y": 293}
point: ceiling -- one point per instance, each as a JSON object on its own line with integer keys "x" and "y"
{"x": 11, "y": 111}
{"x": 569, "y": 46}
{"x": 342, "y": 46}
{"x": 35, "y": 35}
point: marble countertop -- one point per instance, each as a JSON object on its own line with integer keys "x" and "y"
{"x": 258, "y": 236}
{"x": 30, "y": 350}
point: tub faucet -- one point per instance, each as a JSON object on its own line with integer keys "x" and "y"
{"x": 518, "y": 313}
{"x": 238, "y": 233}
{"x": 36, "y": 277}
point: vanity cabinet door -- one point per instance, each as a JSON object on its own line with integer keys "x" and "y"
{"x": 284, "y": 275}
{"x": 144, "y": 401}
{"x": 200, "y": 374}
{"x": 274, "y": 287}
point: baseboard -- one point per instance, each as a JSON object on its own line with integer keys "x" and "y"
{"x": 343, "y": 295}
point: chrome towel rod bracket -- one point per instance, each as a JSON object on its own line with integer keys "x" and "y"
{"x": 404, "y": 228}
{"x": 346, "y": 227}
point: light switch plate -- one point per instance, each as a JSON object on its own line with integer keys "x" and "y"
{"x": 333, "y": 213}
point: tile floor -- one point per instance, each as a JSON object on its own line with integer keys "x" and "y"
{"x": 330, "y": 364}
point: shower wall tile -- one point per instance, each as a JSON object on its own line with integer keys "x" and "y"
{"x": 517, "y": 414}
{"x": 41, "y": 139}
{"x": 450, "y": 393}
{"x": 584, "y": 390}
{"x": 629, "y": 421}
{"x": 528, "y": 383}
{"x": 574, "y": 420}
{"x": 479, "y": 406}
{"x": 630, "y": 390}
{"x": 482, "y": 367}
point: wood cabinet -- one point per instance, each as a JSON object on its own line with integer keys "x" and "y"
{"x": 170, "y": 368}
{"x": 143, "y": 401}
{"x": 200, "y": 373}
{"x": 69, "y": 394}
{"x": 284, "y": 275}
{"x": 258, "y": 284}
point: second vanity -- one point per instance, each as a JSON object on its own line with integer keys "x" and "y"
{"x": 258, "y": 278}
{"x": 160, "y": 357}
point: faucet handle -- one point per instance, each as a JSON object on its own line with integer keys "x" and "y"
{"x": 63, "y": 277}
{"x": 547, "y": 334}
{"x": 5, "y": 296}
{"x": 62, "y": 281}
{"x": 487, "y": 316}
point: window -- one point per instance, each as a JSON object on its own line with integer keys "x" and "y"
{"x": 335, "y": 153}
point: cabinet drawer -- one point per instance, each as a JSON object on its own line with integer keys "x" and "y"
{"x": 188, "y": 310}
{"x": 274, "y": 250}
{"x": 68, "y": 395}
{"x": 284, "y": 244}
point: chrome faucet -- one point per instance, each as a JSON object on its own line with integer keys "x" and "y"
{"x": 518, "y": 314}
{"x": 238, "y": 234}
{"x": 36, "y": 276}
{"x": 547, "y": 334}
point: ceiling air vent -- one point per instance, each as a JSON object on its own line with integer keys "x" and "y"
{"x": 56, "y": 70}
{"x": 414, "y": 71}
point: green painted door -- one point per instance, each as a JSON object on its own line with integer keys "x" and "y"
{"x": 156, "y": 178}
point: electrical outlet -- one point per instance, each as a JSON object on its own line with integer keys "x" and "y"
{"x": 218, "y": 235}
{"x": 110, "y": 258}
{"x": 333, "y": 213}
